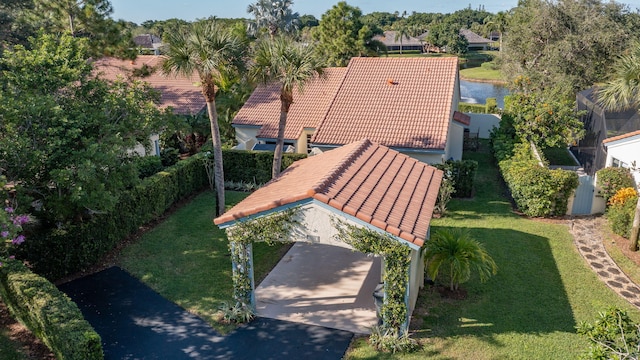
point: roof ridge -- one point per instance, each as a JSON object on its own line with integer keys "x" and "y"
{"x": 341, "y": 166}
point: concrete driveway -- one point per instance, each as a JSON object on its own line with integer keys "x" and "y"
{"x": 321, "y": 285}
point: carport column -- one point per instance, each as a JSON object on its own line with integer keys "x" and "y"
{"x": 242, "y": 266}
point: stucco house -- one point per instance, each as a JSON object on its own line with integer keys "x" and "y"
{"x": 181, "y": 94}
{"x": 391, "y": 40}
{"x": 407, "y": 104}
{"x": 363, "y": 184}
{"x": 624, "y": 151}
{"x": 475, "y": 41}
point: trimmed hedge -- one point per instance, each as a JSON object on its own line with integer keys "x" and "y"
{"x": 48, "y": 313}
{"x": 59, "y": 252}
{"x": 491, "y": 107}
{"x": 536, "y": 190}
{"x": 253, "y": 166}
{"x": 462, "y": 174}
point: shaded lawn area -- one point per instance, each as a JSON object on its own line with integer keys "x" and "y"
{"x": 529, "y": 310}
{"x": 186, "y": 258}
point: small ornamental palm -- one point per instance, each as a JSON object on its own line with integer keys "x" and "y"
{"x": 458, "y": 251}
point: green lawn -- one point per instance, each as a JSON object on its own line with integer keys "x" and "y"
{"x": 528, "y": 311}
{"x": 559, "y": 156}
{"x": 481, "y": 74}
{"x": 543, "y": 288}
{"x": 186, "y": 258}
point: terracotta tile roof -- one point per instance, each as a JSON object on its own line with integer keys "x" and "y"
{"x": 396, "y": 102}
{"x": 389, "y": 39}
{"x": 620, "y": 137}
{"x": 462, "y": 118}
{"x": 308, "y": 109}
{"x": 378, "y": 185}
{"x": 180, "y": 93}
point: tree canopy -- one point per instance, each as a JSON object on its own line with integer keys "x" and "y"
{"x": 66, "y": 136}
{"x": 341, "y": 34}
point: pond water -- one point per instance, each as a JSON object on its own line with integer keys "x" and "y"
{"x": 477, "y": 92}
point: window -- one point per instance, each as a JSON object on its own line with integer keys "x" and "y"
{"x": 618, "y": 163}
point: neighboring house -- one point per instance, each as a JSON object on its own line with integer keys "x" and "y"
{"x": 407, "y": 104}
{"x": 611, "y": 139}
{"x": 148, "y": 44}
{"x": 393, "y": 44}
{"x": 181, "y": 94}
{"x": 624, "y": 151}
{"x": 475, "y": 41}
{"x": 363, "y": 184}
{"x": 604, "y": 130}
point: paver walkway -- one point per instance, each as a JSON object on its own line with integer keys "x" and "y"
{"x": 589, "y": 241}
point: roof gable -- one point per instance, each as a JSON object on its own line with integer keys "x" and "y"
{"x": 397, "y": 102}
{"x": 373, "y": 183}
{"x": 631, "y": 136}
{"x": 473, "y": 38}
{"x": 178, "y": 92}
{"x": 307, "y": 110}
{"x": 389, "y": 39}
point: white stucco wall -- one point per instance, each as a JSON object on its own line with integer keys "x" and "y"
{"x": 628, "y": 151}
{"x": 455, "y": 142}
{"x": 483, "y": 123}
{"x": 150, "y": 148}
{"x": 246, "y": 136}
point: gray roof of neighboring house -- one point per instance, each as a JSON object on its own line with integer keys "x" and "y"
{"x": 147, "y": 41}
{"x": 389, "y": 39}
{"x": 473, "y": 38}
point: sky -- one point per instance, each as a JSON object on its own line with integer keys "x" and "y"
{"x": 139, "y": 11}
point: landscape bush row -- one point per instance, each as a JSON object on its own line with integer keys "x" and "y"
{"x": 617, "y": 187}
{"x": 490, "y": 107}
{"x": 48, "y": 313}
{"x": 536, "y": 190}
{"x": 55, "y": 253}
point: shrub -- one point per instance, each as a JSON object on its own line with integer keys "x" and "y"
{"x": 148, "y": 165}
{"x": 169, "y": 156}
{"x": 48, "y": 313}
{"x": 55, "y": 252}
{"x": 612, "y": 179}
{"x": 621, "y": 211}
{"x": 536, "y": 190}
{"x": 388, "y": 340}
{"x": 612, "y": 336}
{"x": 461, "y": 174}
{"x": 472, "y": 108}
{"x": 491, "y": 106}
{"x": 444, "y": 195}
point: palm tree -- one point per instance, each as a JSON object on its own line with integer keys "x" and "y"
{"x": 402, "y": 31}
{"x": 458, "y": 251}
{"x": 274, "y": 15}
{"x": 210, "y": 52}
{"x": 497, "y": 22}
{"x": 622, "y": 92}
{"x": 292, "y": 65}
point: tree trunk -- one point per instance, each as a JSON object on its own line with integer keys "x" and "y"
{"x": 286, "y": 100}
{"x": 217, "y": 157}
{"x": 635, "y": 227}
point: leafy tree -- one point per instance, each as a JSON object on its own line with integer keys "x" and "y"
{"x": 213, "y": 54}
{"x": 379, "y": 19}
{"x": 497, "y": 22}
{"x": 459, "y": 253}
{"x": 274, "y": 15}
{"x": 84, "y": 18}
{"x": 446, "y": 34}
{"x": 65, "y": 136}
{"x": 546, "y": 118}
{"x": 291, "y": 65}
{"x": 565, "y": 44}
{"x": 622, "y": 92}
{"x": 308, "y": 21}
{"x": 12, "y": 30}
{"x": 341, "y": 35}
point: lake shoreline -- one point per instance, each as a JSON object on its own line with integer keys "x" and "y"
{"x": 489, "y": 81}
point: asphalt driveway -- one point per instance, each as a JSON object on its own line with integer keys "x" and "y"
{"x": 137, "y": 323}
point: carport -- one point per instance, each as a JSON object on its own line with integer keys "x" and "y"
{"x": 323, "y": 281}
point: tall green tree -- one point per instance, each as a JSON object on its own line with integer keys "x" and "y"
{"x": 341, "y": 35}
{"x": 212, "y": 53}
{"x": 497, "y": 22}
{"x": 402, "y": 31}
{"x": 84, "y": 18}
{"x": 65, "y": 136}
{"x": 622, "y": 92}
{"x": 567, "y": 44}
{"x": 274, "y": 15}
{"x": 291, "y": 65}
{"x": 12, "y": 30}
